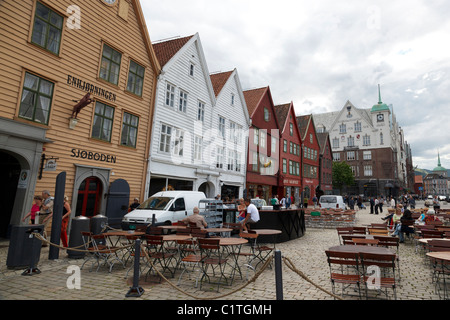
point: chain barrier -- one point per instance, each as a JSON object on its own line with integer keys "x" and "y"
{"x": 288, "y": 262}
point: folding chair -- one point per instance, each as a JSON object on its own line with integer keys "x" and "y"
{"x": 102, "y": 251}
{"x": 379, "y": 272}
{"x": 359, "y": 230}
{"x": 158, "y": 255}
{"x": 365, "y": 242}
{"x": 213, "y": 259}
{"x": 189, "y": 258}
{"x": 344, "y": 270}
{"x": 343, "y": 231}
{"x": 378, "y": 231}
{"x": 391, "y": 242}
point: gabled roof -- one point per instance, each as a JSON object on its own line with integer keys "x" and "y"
{"x": 165, "y": 50}
{"x": 303, "y": 122}
{"x": 219, "y": 80}
{"x": 282, "y": 112}
{"x": 253, "y": 98}
{"x": 322, "y": 138}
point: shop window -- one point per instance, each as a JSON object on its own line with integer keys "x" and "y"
{"x": 135, "y": 78}
{"x": 103, "y": 122}
{"x": 47, "y": 29}
{"x": 36, "y": 99}
{"x": 129, "y": 130}
{"x": 110, "y": 66}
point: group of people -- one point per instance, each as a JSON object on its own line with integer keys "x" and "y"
{"x": 402, "y": 215}
{"x": 248, "y": 214}
{"x": 285, "y": 202}
{"x": 42, "y": 213}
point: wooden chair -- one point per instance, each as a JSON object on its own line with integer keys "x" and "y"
{"x": 348, "y": 239}
{"x": 213, "y": 259}
{"x": 104, "y": 252}
{"x": 359, "y": 230}
{"x": 157, "y": 253}
{"x": 391, "y": 242}
{"x": 432, "y": 234}
{"x": 378, "y": 231}
{"x": 189, "y": 257}
{"x": 384, "y": 276}
{"x": 343, "y": 231}
{"x": 344, "y": 270}
{"x": 365, "y": 242}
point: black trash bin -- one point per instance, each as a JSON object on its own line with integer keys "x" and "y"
{"x": 99, "y": 225}
{"x": 78, "y": 225}
{"x": 23, "y": 246}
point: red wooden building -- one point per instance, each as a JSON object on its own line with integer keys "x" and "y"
{"x": 289, "y": 180}
{"x": 309, "y": 156}
{"x": 325, "y": 163}
{"x": 263, "y": 145}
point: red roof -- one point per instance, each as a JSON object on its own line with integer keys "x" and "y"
{"x": 252, "y": 99}
{"x": 167, "y": 49}
{"x": 218, "y": 80}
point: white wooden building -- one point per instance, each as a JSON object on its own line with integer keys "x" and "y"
{"x": 191, "y": 122}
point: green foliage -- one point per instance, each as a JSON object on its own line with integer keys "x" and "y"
{"x": 342, "y": 175}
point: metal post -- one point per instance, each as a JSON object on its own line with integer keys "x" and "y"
{"x": 58, "y": 206}
{"x": 136, "y": 290}
{"x": 278, "y": 275}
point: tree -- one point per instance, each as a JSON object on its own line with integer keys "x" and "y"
{"x": 342, "y": 175}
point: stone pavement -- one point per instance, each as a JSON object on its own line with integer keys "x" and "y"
{"x": 307, "y": 254}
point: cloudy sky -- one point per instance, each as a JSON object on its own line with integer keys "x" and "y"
{"x": 319, "y": 54}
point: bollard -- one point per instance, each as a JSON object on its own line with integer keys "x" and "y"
{"x": 35, "y": 251}
{"x": 136, "y": 291}
{"x": 278, "y": 275}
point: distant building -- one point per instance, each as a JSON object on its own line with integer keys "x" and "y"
{"x": 372, "y": 143}
{"x": 436, "y": 183}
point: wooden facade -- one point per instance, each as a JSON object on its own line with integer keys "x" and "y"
{"x": 263, "y": 146}
{"x": 52, "y": 54}
{"x": 310, "y": 156}
{"x": 290, "y": 181}
{"x": 326, "y": 163}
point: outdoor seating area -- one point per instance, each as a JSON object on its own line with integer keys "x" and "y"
{"x": 372, "y": 257}
{"x": 329, "y": 218}
{"x": 213, "y": 255}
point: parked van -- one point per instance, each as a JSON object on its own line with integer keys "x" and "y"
{"x": 167, "y": 206}
{"x": 332, "y": 202}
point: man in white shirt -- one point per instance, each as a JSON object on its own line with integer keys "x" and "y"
{"x": 252, "y": 215}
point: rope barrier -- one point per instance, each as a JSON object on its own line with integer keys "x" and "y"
{"x": 288, "y": 262}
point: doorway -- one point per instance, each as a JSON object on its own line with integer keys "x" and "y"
{"x": 89, "y": 197}
{"x": 9, "y": 176}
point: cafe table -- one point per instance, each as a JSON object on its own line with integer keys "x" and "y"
{"x": 362, "y": 249}
{"x": 219, "y": 230}
{"x": 442, "y": 257}
{"x": 232, "y": 248}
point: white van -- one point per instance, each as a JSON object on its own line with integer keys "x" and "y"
{"x": 167, "y": 206}
{"x": 332, "y": 202}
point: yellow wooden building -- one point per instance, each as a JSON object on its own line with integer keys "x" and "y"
{"x": 77, "y": 86}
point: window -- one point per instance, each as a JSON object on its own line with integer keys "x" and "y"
{"x": 358, "y": 126}
{"x": 170, "y": 95}
{"x": 36, "y": 99}
{"x": 47, "y": 29}
{"x": 311, "y": 138}
{"x": 129, "y": 130}
{"x": 284, "y": 166}
{"x": 110, "y": 66}
{"x": 285, "y": 146}
{"x": 381, "y": 138}
{"x": 367, "y": 155}
{"x": 263, "y": 135}
{"x": 135, "y": 78}
{"x": 191, "y": 69}
{"x": 237, "y": 161}
{"x": 351, "y": 141}
{"x": 220, "y": 157}
{"x": 222, "y": 127}
{"x": 336, "y": 157}
{"x": 351, "y": 155}
{"x": 103, "y": 121}
{"x": 266, "y": 115}
{"x": 256, "y": 137}
{"x": 335, "y": 143}
{"x": 183, "y": 101}
{"x": 239, "y": 135}
{"x": 343, "y": 128}
{"x": 291, "y": 151}
{"x": 291, "y": 129}
{"x": 201, "y": 112}
{"x": 178, "y": 142}
{"x": 166, "y": 134}
{"x": 232, "y": 132}
{"x": 366, "y": 140}
{"x": 198, "y": 148}
{"x": 232, "y": 99}
{"x": 367, "y": 171}
{"x": 255, "y": 162}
